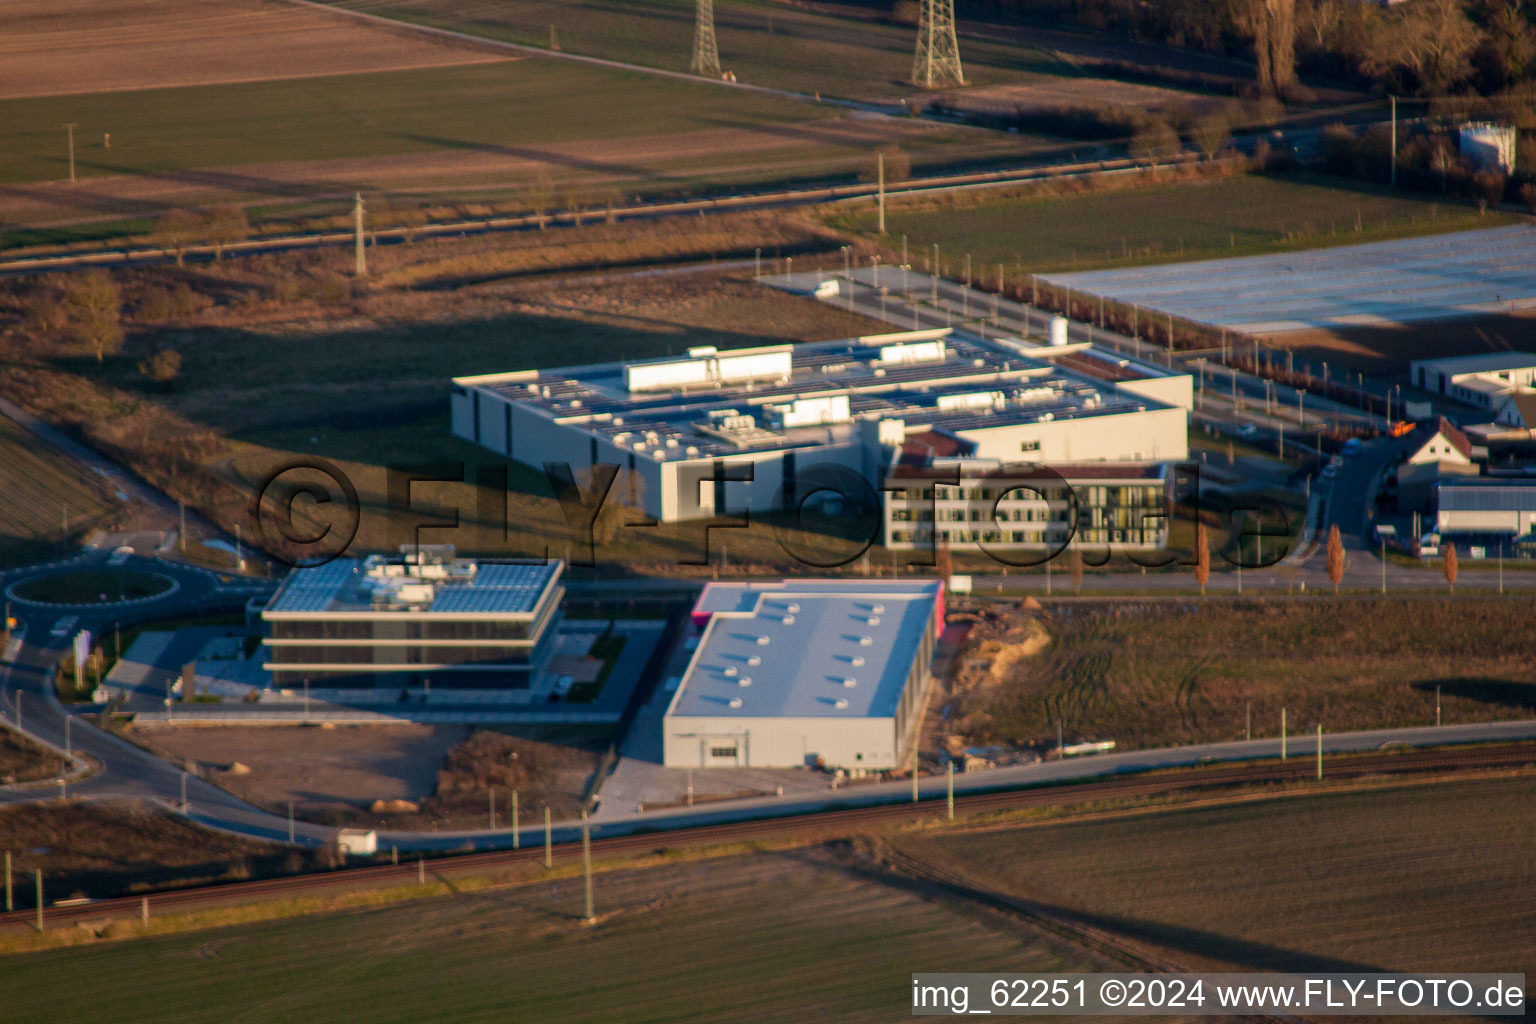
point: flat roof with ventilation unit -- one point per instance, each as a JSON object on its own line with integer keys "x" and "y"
{"x": 845, "y": 650}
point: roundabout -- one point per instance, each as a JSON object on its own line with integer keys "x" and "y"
{"x": 81, "y": 588}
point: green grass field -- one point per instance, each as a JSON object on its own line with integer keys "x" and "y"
{"x": 1168, "y": 674}
{"x": 45, "y": 501}
{"x": 765, "y": 44}
{"x": 1240, "y": 216}
{"x": 487, "y": 107}
{"x": 767, "y": 937}
{"x": 1424, "y": 878}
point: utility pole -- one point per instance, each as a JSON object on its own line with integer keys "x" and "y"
{"x": 1437, "y": 711}
{"x": 361, "y": 261}
{"x": 1319, "y": 750}
{"x": 937, "y": 60}
{"x": 949, "y": 794}
{"x": 880, "y": 187}
{"x": 1282, "y": 734}
{"x": 706, "y": 54}
{"x": 1393, "y": 169}
{"x": 549, "y": 851}
{"x": 70, "y": 128}
{"x": 144, "y": 911}
{"x": 586, "y": 863}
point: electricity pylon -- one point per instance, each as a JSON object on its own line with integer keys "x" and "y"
{"x": 937, "y": 61}
{"x": 706, "y": 56}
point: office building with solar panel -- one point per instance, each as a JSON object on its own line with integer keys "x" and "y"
{"x": 423, "y": 618}
{"x": 753, "y": 430}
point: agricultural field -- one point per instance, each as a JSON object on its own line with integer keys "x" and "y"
{"x": 54, "y": 47}
{"x": 1430, "y": 878}
{"x": 503, "y": 128}
{"x": 815, "y": 939}
{"x": 1160, "y": 674}
{"x": 799, "y": 48}
{"x": 46, "y": 501}
{"x": 1137, "y": 226}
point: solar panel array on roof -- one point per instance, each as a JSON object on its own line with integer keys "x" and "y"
{"x": 312, "y": 590}
{"x": 496, "y": 588}
{"x": 341, "y": 586}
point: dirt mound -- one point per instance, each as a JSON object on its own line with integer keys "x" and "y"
{"x": 489, "y": 759}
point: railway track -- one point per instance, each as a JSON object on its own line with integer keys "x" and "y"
{"x": 809, "y": 827}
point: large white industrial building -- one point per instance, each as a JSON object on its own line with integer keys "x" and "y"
{"x": 805, "y": 672}
{"x": 685, "y": 425}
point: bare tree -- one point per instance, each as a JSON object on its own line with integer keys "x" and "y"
{"x": 93, "y": 305}
{"x": 225, "y": 225}
{"x": 175, "y": 230}
{"x": 1202, "y": 557}
{"x": 1430, "y": 41}
{"x": 540, "y": 195}
{"x": 1335, "y": 557}
{"x": 1154, "y": 141}
{"x": 1211, "y": 134}
{"x": 898, "y": 166}
{"x": 1449, "y": 565}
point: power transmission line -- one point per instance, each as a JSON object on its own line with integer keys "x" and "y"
{"x": 937, "y": 61}
{"x": 706, "y": 56}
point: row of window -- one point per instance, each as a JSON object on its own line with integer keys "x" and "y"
{"x": 1050, "y": 536}
{"x": 381, "y": 629}
{"x": 426, "y": 655}
{"x": 1096, "y": 494}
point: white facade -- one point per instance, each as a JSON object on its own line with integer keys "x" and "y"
{"x": 678, "y": 425}
{"x": 1489, "y": 147}
{"x": 1483, "y": 381}
{"x": 802, "y": 673}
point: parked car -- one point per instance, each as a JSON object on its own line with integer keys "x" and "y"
{"x": 1247, "y": 430}
{"x": 1352, "y": 447}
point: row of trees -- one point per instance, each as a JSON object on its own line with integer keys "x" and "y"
{"x": 219, "y": 226}
{"x": 1429, "y": 161}
{"x": 1425, "y": 46}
